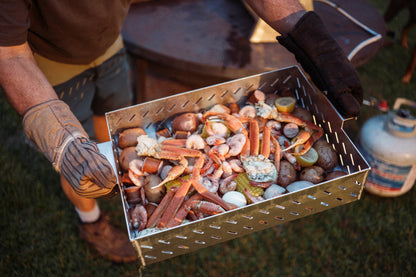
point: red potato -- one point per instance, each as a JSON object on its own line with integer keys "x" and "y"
{"x": 287, "y": 174}
{"x": 287, "y": 92}
{"x": 303, "y": 114}
{"x": 314, "y": 174}
{"x": 127, "y": 155}
{"x": 129, "y": 137}
{"x": 187, "y": 122}
{"x": 270, "y": 99}
{"x": 328, "y": 158}
{"x": 335, "y": 174}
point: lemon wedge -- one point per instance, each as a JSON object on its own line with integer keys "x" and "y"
{"x": 307, "y": 159}
{"x": 285, "y": 104}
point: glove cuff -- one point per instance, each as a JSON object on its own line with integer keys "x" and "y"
{"x": 52, "y": 126}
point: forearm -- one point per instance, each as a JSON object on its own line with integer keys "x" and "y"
{"x": 281, "y": 15}
{"x": 21, "y": 80}
{"x": 51, "y": 125}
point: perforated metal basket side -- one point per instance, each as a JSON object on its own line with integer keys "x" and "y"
{"x": 153, "y": 247}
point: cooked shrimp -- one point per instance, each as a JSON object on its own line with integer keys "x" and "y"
{"x": 292, "y": 159}
{"x": 251, "y": 197}
{"x": 215, "y": 177}
{"x": 135, "y": 172}
{"x": 138, "y": 215}
{"x": 195, "y": 142}
{"x": 216, "y": 129}
{"x": 215, "y": 140}
{"x": 248, "y": 111}
{"x": 236, "y": 165}
{"x": 210, "y": 186}
{"x": 236, "y": 144}
{"x": 205, "y": 207}
{"x": 210, "y": 170}
{"x": 228, "y": 184}
{"x": 218, "y": 152}
{"x": 233, "y": 123}
{"x": 207, "y": 165}
{"x": 226, "y": 167}
{"x": 275, "y": 127}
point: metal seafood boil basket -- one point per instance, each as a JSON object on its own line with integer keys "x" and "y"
{"x": 152, "y": 247}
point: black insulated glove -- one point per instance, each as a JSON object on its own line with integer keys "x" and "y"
{"x": 326, "y": 63}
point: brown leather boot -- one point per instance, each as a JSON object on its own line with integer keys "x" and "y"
{"x": 110, "y": 242}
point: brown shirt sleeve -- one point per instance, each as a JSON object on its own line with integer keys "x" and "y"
{"x": 14, "y": 22}
{"x": 68, "y": 31}
{"x": 75, "y": 31}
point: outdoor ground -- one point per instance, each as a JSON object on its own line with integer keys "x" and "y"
{"x": 370, "y": 237}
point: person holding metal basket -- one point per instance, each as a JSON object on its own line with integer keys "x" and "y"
{"x": 63, "y": 65}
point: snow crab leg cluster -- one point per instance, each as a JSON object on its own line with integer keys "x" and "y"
{"x": 212, "y": 162}
{"x": 164, "y": 214}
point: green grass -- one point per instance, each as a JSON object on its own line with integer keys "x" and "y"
{"x": 371, "y": 237}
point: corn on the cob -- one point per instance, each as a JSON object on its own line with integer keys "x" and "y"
{"x": 244, "y": 183}
{"x": 176, "y": 183}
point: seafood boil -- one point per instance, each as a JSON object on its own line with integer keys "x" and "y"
{"x": 221, "y": 159}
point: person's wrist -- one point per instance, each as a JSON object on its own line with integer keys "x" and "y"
{"x": 288, "y": 23}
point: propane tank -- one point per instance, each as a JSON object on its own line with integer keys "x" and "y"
{"x": 388, "y": 143}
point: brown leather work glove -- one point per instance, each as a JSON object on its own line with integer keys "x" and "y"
{"x": 326, "y": 63}
{"x": 59, "y": 135}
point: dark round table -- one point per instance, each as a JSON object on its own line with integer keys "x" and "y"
{"x": 187, "y": 44}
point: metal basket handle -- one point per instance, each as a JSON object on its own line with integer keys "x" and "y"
{"x": 106, "y": 149}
